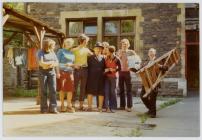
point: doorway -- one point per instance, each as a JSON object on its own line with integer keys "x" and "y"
{"x": 192, "y": 61}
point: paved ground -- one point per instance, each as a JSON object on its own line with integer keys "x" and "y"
{"x": 22, "y": 118}
{"x": 179, "y": 120}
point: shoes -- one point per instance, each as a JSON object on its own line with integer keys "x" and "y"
{"x": 100, "y": 110}
{"x": 62, "y": 109}
{"x": 152, "y": 115}
{"x": 81, "y": 108}
{"x": 147, "y": 113}
{"x": 112, "y": 111}
{"x": 54, "y": 111}
{"x": 89, "y": 109}
{"x": 129, "y": 109}
{"x": 70, "y": 109}
{"x": 44, "y": 111}
{"x": 109, "y": 110}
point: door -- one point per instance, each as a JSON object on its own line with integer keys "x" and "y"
{"x": 192, "y": 60}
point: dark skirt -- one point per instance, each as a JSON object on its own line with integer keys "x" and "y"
{"x": 95, "y": 83}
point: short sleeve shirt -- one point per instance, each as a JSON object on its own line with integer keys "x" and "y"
{"x": 81, "y": 55}
{"x": 47, "y": 57}
{"x": 65, "y": 57}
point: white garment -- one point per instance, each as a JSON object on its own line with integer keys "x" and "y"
{"x": 134, "y": 61}
{"x": 19, "y": 60}
{"x": 10, "y": 57}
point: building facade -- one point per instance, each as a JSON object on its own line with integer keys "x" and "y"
{"x": 161, "y": 26}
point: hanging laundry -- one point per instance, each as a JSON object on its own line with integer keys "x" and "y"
{"x": 32, "y": 62}
{"x": 10, "y": 57}
{"x": 20, "y": 60}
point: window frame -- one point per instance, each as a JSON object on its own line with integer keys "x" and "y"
{"x": 119, "y": 35}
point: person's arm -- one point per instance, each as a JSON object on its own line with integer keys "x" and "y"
{"x": 89, "y": 52}
{"x": 118, "y": 63}
{"x": 55, "y": 62}
{"x": 42, "y": 64}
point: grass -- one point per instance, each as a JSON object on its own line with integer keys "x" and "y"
{"x": 143, "y": 118}
{"x": 169, "y": 103}
{"x": 21, "y": 92}
{"x": 135, "y": 132}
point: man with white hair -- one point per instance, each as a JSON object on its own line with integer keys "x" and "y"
{"x": 150, "y": 100}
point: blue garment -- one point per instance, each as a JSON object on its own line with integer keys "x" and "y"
{"x": 47, "y": 79}
{"x": 65, "y": 57}
{"x": 49, "y": 56}
{"x": 110, "y": 94}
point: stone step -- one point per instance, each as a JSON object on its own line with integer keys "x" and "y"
{"x": 171, "y": 92}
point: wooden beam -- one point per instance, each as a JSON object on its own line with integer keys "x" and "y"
{"x": 34, "y": 22}
{"x": 6, "y": 41}
{"x": 5, "y": 18}
{"x": 37, "y": 33}
{"x": 30, "y": 39}
{"x": 42, "y": 33}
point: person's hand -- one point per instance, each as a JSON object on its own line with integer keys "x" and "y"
{"x": 112, "y": 70}
{"x": 76, "y": 66}
{"x": 107, "y": 70}
{"x": 46, "y": 67}
{"x": 69, "y": 65}
{"x": 52, "y": 65}
{"x": 58, "y": 75}
{"x": 133, "y": 70}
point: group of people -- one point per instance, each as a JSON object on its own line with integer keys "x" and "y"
{"x": 93, "y": 72}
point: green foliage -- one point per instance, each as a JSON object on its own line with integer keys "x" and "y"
{"x": 21, "y": 92}
{"x": 169, "y": 103}
{"x": 19, "y": 6}
{"x": 127, "y": 26}
{"x": 17, "y": 41}
{"x": 143, "y": 118}
{"x": 135, "y": 132}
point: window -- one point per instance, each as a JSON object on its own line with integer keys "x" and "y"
{"x": 115, "y": 29}
{"x": 87, "y": 26}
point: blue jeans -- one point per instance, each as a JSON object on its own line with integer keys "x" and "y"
{"x": 47, "y": 80}
{"x": 110, "y": 94}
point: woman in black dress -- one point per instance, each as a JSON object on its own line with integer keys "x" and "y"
{"x": 95, "y": 81}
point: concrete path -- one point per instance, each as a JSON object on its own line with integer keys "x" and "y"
{"x": 179, "y": 120}
{"x": 22, "y": 118}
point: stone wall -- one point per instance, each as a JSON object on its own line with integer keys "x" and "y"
{"x": 9, "y": 77}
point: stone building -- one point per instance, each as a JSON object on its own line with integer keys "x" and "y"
{"x": 161, "y": 26}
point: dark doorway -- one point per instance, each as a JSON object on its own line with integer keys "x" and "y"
{"x": 192, "y": 60}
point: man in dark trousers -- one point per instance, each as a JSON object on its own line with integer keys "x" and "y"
{"x": 150, "y": 100}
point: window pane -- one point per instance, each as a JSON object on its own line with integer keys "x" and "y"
{"x": 111, "y": 27}
{"x": 75, "y": 28}
{"x": 90, "y": 29}
{"x": 111, "y": 40}
{"x": 131, "y": 40}
{"x": 127, "y": 26}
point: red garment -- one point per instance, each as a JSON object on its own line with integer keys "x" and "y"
{"x": 66, "y": 82}
{"x": 32, "y": 62}
{"x": 112, "y": 63}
